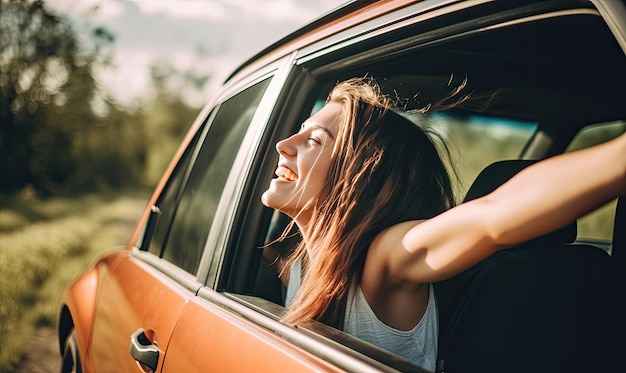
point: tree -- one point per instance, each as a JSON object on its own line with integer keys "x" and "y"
{"x": 169, "y": 115}
{"x": 51, "y": 136}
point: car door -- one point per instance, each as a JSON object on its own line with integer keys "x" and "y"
{"x": 142, "y": 296}
{"x": 138, "y": 299}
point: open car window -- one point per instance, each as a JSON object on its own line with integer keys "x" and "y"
{"x": 525, "y": 76}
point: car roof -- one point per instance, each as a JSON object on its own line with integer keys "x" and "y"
{"x": 341, "y": 18}
{"x": 567, "y": 87}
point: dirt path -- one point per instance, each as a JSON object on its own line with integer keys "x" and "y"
{"x": 43, "y": 355}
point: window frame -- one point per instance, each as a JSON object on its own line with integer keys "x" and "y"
{"x": 193, "y": 281}
{"x": 211, "y": 262}
{"x": 214, "y": 160}
{"x": 326, "y": 58}
{"x": 311, "y": 65}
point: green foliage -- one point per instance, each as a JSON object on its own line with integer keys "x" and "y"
{"x": 168, "y": 115}
{"x": 58, "y": 132}
{"x": 43, "y": 245}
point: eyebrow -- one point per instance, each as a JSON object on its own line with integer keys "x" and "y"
{"x": 317, "y": 126}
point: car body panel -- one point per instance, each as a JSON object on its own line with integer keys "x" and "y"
{"x": 232, "y": 344}
{"x": 132, "y": 296}
{"x": 78, "y": 309}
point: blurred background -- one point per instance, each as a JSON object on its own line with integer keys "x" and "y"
{"x": 95, "y": 97}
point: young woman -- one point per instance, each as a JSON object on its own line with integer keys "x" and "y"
{"x": 374, "y": 205}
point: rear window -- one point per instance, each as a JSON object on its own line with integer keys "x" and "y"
{"x": 474, "y": 142}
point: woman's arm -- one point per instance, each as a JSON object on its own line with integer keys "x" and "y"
{"x": 541, "y": 198}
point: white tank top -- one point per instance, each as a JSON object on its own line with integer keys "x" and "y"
{"x": 418, "y": 345}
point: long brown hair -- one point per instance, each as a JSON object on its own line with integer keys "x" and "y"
{"x": 385, "y": 170}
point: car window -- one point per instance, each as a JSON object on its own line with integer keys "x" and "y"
{"x": 598, "y": 225}
{"x": 472, "y": 142}
{"x": 183, "y": 243}
{"x": 163, "y": 210}
{"x": 519, "y": 87}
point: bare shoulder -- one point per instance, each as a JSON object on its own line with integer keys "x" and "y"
{"x": 382, "y": 248}
{"x": 392, "y": 236}
{"x": 388, "y": 295}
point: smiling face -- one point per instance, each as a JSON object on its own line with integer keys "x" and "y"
{"x": 303, "y": 165}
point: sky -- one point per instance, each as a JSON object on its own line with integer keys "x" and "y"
{"x": 212, "y": 36}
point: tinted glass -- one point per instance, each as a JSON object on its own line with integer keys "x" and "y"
{"x": 163, "y": 212}
{"x": 201, "y": 195}
{"x": 476, "y": 141}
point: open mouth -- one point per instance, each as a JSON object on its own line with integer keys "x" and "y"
{"x": 286, "y": 174}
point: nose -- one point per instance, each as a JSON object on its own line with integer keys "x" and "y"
{"x": 286, "y": 147}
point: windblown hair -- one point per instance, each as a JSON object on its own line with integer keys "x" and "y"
{"x": 385, "y": 171}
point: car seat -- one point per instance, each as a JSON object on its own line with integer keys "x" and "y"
{"x": 547, "y": 305}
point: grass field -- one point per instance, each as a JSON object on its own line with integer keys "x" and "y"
{"x": 43, "y": 246}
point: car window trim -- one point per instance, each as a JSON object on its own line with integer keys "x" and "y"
{"x": 614, "y": 15}
{"x": 212, "y": 259}
{"x": 195, "y": 143}
{"x": 383, "y": 25}
{"x": 239, "y": 86}
{"x": 233, "y": 87}
{"x": 185, "y": 279}
{"x": 202, "y": 123}
{"x": 419, "y": 41}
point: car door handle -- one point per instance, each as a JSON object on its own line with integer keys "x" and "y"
{"x": 143, "y": 351}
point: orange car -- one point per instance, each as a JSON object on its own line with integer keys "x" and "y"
{"x": 191, "y": 291}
